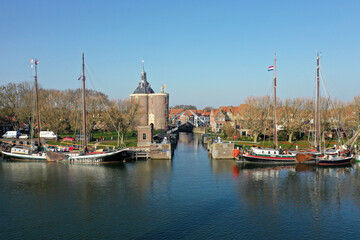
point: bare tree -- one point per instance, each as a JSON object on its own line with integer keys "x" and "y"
{"x": 8, "y": 102}
{"x": 257, "y": 115}
{"x": 293, "y": 114}
{"x": 229, "y": 129}
{"x": 356, "y": 106}
{"x": 54, "y": 112}
{"x": 122, "y": 117}
{"x": 96, "y": 104}
{"x": 25, "y": 108}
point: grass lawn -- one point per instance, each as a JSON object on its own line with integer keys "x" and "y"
{"x": 109, "y": 139}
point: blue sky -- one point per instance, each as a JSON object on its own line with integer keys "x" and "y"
{"x": 207, "y": 53}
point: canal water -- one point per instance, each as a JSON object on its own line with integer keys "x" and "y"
{"x": 189, "y": 197}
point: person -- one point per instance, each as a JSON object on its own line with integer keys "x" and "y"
{"x": 280, "y": 150}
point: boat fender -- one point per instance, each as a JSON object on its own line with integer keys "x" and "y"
{"x": 235, "y": 152}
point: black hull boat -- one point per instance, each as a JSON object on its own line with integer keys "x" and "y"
{"x": 334, "y": 160}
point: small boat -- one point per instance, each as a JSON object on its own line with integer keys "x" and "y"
{"x": 333, "y": 160}
{"x": 311, "y": 155}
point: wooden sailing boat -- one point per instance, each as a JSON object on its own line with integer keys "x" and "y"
{"x": 311, "y": 155}
{"x": 269, "y": 155}
{"x": 325, "y": 157}
{"x": 87, "y": 156}
{"x": 322, "y": 157}
{"x": 29, "y": 152}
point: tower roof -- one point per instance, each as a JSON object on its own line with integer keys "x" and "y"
{"x": 144, "y": 86}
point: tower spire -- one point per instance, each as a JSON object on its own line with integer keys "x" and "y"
{"x": 143, "y": 75}
{"x": 144, "y": 86}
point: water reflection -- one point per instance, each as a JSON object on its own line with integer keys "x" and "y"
{"x": 87, "y": 181}
{"x": 191, "y": 197}
{"x": 298, "y": 185}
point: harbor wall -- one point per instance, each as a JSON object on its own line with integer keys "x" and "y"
{"x": 222, "y": 150}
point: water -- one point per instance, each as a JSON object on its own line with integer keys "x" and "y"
{"x": 190, "y": 197}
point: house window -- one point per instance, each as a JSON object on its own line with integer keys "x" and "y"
{"x": 144, "y": 136}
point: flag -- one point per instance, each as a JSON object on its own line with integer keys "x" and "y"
{"x": 79, "y": 78}
{"x": 271, "y": 68}
{"x": 37, "y": 62}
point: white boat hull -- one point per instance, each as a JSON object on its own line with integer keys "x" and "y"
{"x": 35, "y": 157}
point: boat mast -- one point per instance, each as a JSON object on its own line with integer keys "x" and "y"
{"x": 37, "y": 102}
{"x": 275, "y": 130}
{"x": 84, "y": 102}
{"x": 317, "y": 122}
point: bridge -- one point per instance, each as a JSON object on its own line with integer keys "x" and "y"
{"x": 195, "y": 121}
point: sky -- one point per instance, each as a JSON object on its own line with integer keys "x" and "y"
{"x": 207, "y": 53}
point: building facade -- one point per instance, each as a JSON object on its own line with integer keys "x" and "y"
{"x": 153, "y": 107}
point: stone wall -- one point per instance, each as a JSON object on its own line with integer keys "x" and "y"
{"x": 222, "y": 150}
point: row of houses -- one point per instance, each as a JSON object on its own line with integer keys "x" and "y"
{"x": 215, "y": 118}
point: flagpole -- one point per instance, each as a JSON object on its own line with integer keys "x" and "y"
{"x": 275, "y": 130}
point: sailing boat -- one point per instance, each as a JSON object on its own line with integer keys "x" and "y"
{"x": 328, "y": 157}
{"x": 269, "y": 155}
{"x": 29, "y": 152}
{"x": 311, "y": 155}
{"x": 87, "y": 156}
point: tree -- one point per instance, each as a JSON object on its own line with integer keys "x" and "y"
{"x": 8, "y": 102}
{"x": 293, "y": 114}
{"x": 122, "y": 117}
{"x": 356, "y": 106}
{"x": 257, "y": 115}
{"x": 229, "y": 129}
{"x": 25, "y": 107}
{"x": 327, "y": 117}
{"x": 96, "y": 105}
{"x": 54, "y": 110}
{"x": 185, "y": 107}
{"x": 208, "y": 108}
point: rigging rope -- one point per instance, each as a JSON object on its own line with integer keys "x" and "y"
{"x": 102, "y": 100}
